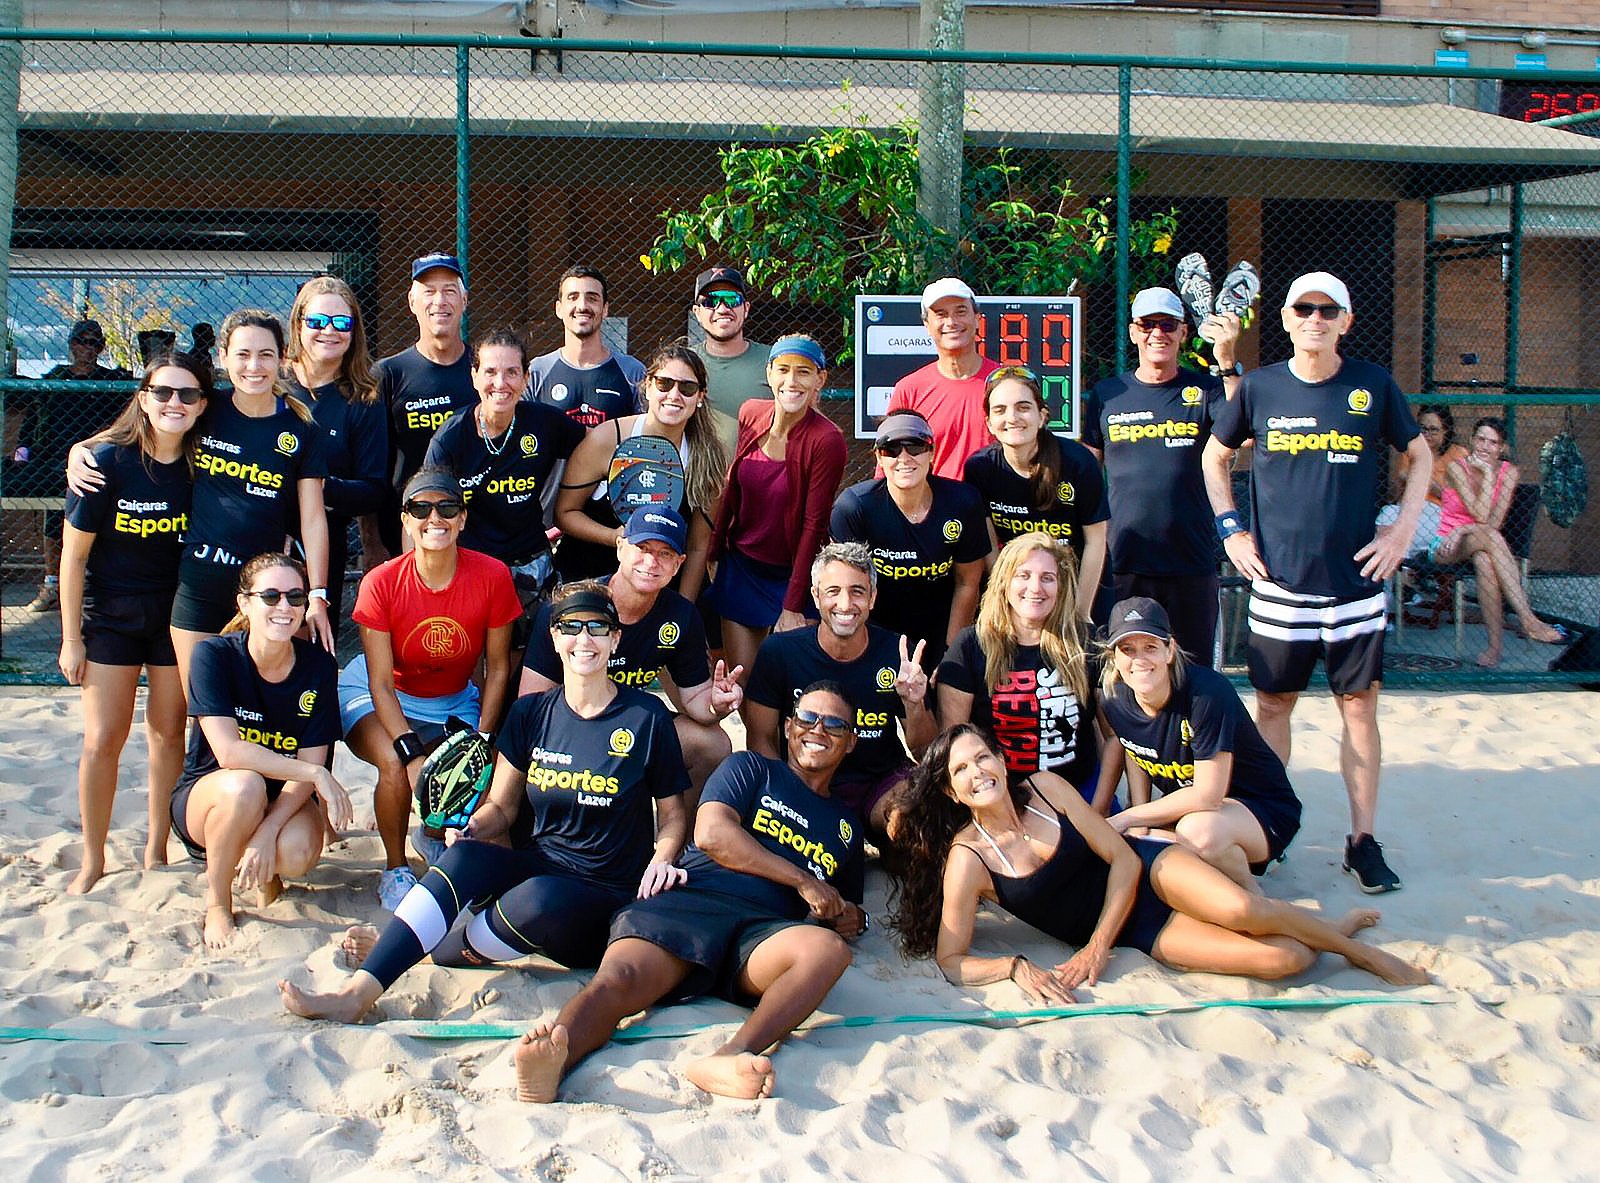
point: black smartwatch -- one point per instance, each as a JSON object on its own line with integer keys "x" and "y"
{"x": 1236, "y": 370}
{"x": 409, "y": 747}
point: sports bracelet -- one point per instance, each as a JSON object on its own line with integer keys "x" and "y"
{"x": 1228, "y": 524}
{"x": 409, "y": 746}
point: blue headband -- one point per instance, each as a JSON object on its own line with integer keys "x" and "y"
{"x": 800, "y": 347}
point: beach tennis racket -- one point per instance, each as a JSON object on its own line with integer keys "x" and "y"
{"x": 454, "y": 778}
{"x": 646, "y": 470}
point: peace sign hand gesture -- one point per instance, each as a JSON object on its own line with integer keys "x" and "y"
{"x": 910, "y": 683}
{"x": 726, "y": 693}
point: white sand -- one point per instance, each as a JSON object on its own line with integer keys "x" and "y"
{"x": 1487, "y": 807}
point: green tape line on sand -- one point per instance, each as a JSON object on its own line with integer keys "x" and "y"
{"x": 638, "y": 1033}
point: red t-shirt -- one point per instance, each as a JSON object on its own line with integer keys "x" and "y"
{"x": 437, "y": 636}
{"x": 954, "y": 409}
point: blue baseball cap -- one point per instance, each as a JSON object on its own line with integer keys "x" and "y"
{"x": 663, "y": 525}
{"x": 436, "y": 260}
{"x": 798, "y": 345}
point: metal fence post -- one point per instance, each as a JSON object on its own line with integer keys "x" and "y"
{"x": 1514, "y": 311}
{"x": 463, "y": 161}
{"x": 1124, "y": 185}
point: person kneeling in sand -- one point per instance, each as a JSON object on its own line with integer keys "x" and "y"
{"x": 772, "y": 850}
{"x": 1043, "y": 855}
{"x": 266, "y": 711}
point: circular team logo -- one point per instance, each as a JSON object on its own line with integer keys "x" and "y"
{"x": 885, "y": 678}
{"x": 1360, "y": 401}
{"x": 288, "y": 443}
{"x": 529, "y": 445}
{"x": 621, "y": 741}
{"x": 441, "y": 637}
{"x": 559, "y": 392}
{"x": 668, "y": 634}
{"x": 952, "y": 530}
{"x": 307, "y": 701}
{"x": 844, "y": 830}
{"x": 1065, "y": 493}
{"x": 874, "y": 313}
{"x": 1190, "y": 396}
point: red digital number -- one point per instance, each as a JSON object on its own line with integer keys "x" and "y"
{"x": 1589, "y": 101}
{"x": 1055, "y": 339}
{"x": 1562, "y": 104}
{"x": 1540, "y": 110}
{"x": 983, "y": 333}
{"x": 1013, "y": 339}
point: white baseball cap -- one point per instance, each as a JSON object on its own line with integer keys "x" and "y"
{"x": 948, "y": 286}
{"x": 1319, "y": 281}
{"x": 1157, "y": 302}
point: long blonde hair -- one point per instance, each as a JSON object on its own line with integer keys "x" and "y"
{"x": 262, "y": 562}
{"x": 355, "y": 380}
{"x": 707, "y": 470}
{"x": 259, "y": 318}
{"x": 1061, "y": 641}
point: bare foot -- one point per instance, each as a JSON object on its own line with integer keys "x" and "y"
{"x": 741, "y": 1074}
{"x": 220, "y": 927}
{"x": 1488, "y": 659}
{"x": 1356, "y": 919}
{"x": 1543, "y": 633}
{"x": 356, "y": 945}
{"x": 345, "y": 1005}
{"x": 88, "y": 875}
{"x": 1389, "y": 967}
{"x": 540, "y": 1058}
{"x": 155, "y": 852}
{"x": 267, "y": 894}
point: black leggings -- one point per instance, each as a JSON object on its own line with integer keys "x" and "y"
{"x": 534, "y": 907}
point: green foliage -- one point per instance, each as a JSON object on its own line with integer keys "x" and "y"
{"x": 835, "y": 216}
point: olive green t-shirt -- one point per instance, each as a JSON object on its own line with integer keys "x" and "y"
{"x": 735, "y": 379}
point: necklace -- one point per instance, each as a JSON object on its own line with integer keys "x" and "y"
{"x": 489, "y": 441}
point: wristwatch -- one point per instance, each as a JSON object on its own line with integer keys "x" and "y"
{"x": 1236, "y": 370}
{"x": 318, "y": 593}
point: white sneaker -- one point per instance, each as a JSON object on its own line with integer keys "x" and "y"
{"x": 393, "y": 885}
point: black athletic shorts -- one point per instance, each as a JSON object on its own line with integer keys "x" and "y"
{"x": 1280, "y": 822}
{"x": 180, "y": 808}
{"x": 1290, "y": 631}
{"x": 207, "y": 596}
{"x": 129, "y": 630}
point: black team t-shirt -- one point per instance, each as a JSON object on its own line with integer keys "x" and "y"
{"x": 1079, "y": 499}
{"x": 420, "y": 395}
{"x": 355, "y": 446}
{"x": 245, "y": 499}
{"x": 588, "y": 395}
{"x": 1202, "y": 719}
{"x": 670, "y": 636}
{"x": 138, "y": 518}
{"x": 1152, "y": 437}
{"x": 915, "y": 561}
{"x": 1316, "y": 468}
{"x": 286, "y": 717}
{"x": 1039, "y": 723}
{"x": 776, "y": 808}
{"x": 590, "y": 782}
{"x": 786, "y": 663}
{"x": 502, "y": 485}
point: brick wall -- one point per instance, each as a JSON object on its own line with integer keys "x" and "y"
{"x": 1564, "y": 14}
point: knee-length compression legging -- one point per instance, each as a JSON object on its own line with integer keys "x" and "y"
{"x": 533, "y": 907}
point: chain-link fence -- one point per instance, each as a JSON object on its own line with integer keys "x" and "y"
{"x": 166, "y": 179}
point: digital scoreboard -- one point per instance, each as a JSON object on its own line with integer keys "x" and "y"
{"x": 1534, "y": 102}
{"x": 1039, "y": 332}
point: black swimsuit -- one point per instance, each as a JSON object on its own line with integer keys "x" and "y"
{"x": 1063, "y": 898}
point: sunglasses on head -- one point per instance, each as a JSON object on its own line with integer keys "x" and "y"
{"x": 1305, "y": 311}
{"x": 187, "y": 395}
{"x": 893, "y": 448}
{"x": 595, "y": 628}
{"x": 1004, "y": 372}
{"x": 316, "y": 321}
{"x": 421, "y": 509}
{"x": 297, "y": 597}
{"x": 687, "y": 387}
{"x": 1166, "y": 324}
{"x": 724, "y": 299}
{"x": 832, "y": 724}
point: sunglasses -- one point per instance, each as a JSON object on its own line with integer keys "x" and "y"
{"x": 1004, "y": 372}
{"x": 297, "y": 598}
{"x": 421, "y": 509}
{"x": 728, "y": 299}
{"x": 1150, "y": 324}
{"x": 1307, "y": 311}
{"x": 832, "y": 724}
{"x": 914, "y": 447}
{"x": 595, "y": 628}
{"x": 187, "y": 395}
{"x": 687, "y": 387}
{"x": 316, "y": 322}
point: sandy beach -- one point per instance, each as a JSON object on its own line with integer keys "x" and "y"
{"x": 1488, "y": 806}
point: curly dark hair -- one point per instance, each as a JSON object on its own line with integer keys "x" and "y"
{"x": 930, "y": 819}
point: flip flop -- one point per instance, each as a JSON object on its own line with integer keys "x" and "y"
{"x": 1240, "y": 289}
{"x": 1193, "y": 278}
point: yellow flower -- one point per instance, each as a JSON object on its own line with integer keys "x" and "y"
{"x": 644, "y": 261}
{"x": 834, "y": 149}
{"x": 1162, "y": 244}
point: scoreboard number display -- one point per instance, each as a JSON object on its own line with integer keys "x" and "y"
{"x": 1039, "y": 332}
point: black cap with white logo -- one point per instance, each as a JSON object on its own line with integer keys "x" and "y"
{"x": 1138, "y": 616}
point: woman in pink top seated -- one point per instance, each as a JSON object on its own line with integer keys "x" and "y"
{"x": 1472, "y": 509}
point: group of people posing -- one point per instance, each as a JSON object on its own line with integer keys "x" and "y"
{"x": 913, "y": 657}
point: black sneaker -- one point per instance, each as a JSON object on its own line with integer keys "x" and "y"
{"x": 1363, "y": 858}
